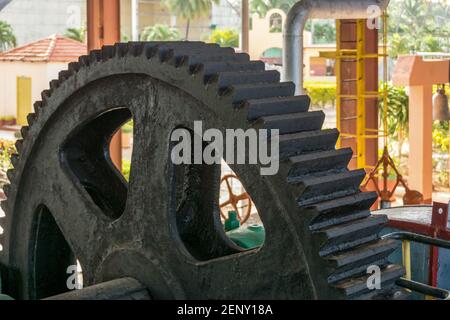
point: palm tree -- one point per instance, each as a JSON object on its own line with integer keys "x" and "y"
{"x": 7, "y": 38}
{"x": 77, "y": 34}
{"x": 189, "y": 9}
{"x": 160, "y": 32}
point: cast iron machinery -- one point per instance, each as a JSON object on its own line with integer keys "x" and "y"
{"x": 161, "y": 232}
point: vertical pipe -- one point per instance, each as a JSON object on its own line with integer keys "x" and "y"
{"x": 245, "y": 17}
{"x": 135, "y": 20}
{"x": 293, "y": 44}
{"x": 296, "y": 21}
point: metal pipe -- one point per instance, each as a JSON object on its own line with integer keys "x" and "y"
{"x": 323, "y": 9}
{"x": 415, "y": 237}
{"x": 423, "y": 288}
{"x": 119, "y": 289}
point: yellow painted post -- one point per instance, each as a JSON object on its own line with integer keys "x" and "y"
{"x": 23, "y": 99}
{"x": 338, "y": 79}
{"x": 406, "y": 250}
{"x": 361, "y": 90}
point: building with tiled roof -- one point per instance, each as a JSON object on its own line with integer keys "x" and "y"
{"x": 26, "y": 71}
{"x": 51, "y": 49}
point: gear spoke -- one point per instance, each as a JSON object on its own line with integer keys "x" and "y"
{"x": 79, "y": 218}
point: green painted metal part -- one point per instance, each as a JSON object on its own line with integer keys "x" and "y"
{"x": 4, "y": 297}
{"x": 248, "y": 238}
{"x": 232, "y": 222}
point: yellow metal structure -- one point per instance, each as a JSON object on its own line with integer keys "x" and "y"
{"x": 406, "y": 251}
{"x": 360, "y": 56}
{"x": 23, "y": 99}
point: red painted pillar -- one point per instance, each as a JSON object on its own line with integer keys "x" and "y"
{"x": 103, "y": 28}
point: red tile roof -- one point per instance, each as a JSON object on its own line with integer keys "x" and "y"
{"x": 54, "y": 48}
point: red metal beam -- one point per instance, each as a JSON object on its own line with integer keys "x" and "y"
{"x": 437, "y": 229}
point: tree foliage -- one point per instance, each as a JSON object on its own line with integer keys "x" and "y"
{"x": 78, "y": 34}
{"x": 225, "y": 37}
{"x": 418, "y": 26}
{"x": 7, "y": 38}
{"x": 397, "y": 114}
{"x": 160, "y": 32}
{"x": 324, "y": 32}
{"x": 189, "y": 9}
{"x": 262, "y": 6}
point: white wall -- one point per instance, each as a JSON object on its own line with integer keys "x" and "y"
{"x": 36, "y": 19}
{"x": 41, "y": 74}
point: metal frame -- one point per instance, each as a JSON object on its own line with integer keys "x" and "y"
{"x": 406, "y": 282}
{"x": 360, "y": 56}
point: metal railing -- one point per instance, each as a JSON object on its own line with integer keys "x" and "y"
{"x": 406, "y": 282}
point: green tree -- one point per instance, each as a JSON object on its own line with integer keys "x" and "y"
{"x": 7, "y": 38}
{"x": 418, "y": 25}
{"x": 160, "y": 32}
{"x": 324, "y": 32}
{"x": 225, "y": 38}
{"x": 397, "y": 114}
{"x": 78, "y": 34}
{"x": 189, "y": 9}
{"x": 262, "y": 6}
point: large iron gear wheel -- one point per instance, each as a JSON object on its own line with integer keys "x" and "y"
{"x": 66, "y": 200}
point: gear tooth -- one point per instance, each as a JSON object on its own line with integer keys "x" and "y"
{"x": 18, "y": 145}
{"x": 45, "y": 95}
{"x": 37, "y": 106}
{"x": 4, "y": 204}
{"x": 135, "y": 48}
{"x": 6, "y": 191}
{"x": 74, "y": 67}
{"x": 83, "y": 60}
{"x": 24, "y": 131}
{"x": 107, "y": 52}
{"x": 120, "y": 49}
{"x": 14, "y": 159}
{"x": 31, "y": 117}
{"x": 95, "y": 56}
{"x": 182, "y": 61}
{"x": 54, "y": 84}
{"x": 11, "y": 173}
{"x": 166, "y": 55}
{"x": 150, "y": 50}
{"x": 63, "y": 75}
{"x": 197, "y": 68}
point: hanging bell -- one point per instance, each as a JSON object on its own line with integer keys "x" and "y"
{"x": 440, "y": 105}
